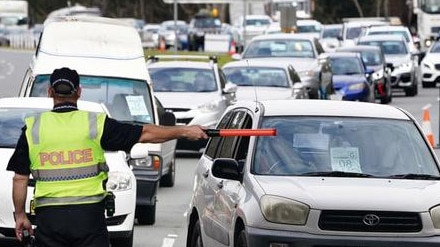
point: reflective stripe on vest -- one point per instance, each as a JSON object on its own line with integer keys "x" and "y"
{"x": 93, "y": 131}
{"x": 69, "y": 174}
{"x": 68, "y": 200}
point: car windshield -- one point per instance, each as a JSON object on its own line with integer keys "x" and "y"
{"x": 11, "y": 123}
{"x": 183, "y": 80}
{"x": 353, "y": 32}
{"x": 435, "y": 48}
{"x": 207, "y": 23}
{"x": 338, "y": 146}
{"x": 308, "y": 28}
{"x": 371, "y": 58}
{"x": 257, "y": 76}
{"x": 331, "y": 33}
{"x": 280, "y": 48}
{"x": 388, "y": 47}
{"x": 346, "y": 66}
{"x": 257, "y": 22}
{"x": 402, "y": 33}
{"x": 126, "y": 99}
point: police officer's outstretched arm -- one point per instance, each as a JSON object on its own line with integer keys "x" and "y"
{"x": 19, "y": 192}
{"x": 157, "y": 133}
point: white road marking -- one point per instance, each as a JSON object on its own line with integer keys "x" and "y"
{"x": 169, "y": 240}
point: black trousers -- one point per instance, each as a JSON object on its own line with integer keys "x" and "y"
{"x": 72, "y": 226}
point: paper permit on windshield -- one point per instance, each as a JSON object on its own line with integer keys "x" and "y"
{"x": 345, "y": 159}
{"x": 136, "y": 105}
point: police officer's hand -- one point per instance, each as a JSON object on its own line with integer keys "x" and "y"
{"x": 195, "y": 132}
{"x": 22, "y": 223}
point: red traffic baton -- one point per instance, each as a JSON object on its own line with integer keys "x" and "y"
{"x": 240, "y": 132}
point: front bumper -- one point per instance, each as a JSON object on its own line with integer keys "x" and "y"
{"x": 430, "y": 75}
{"x": 269, "y": 238}
{"x": 402, "y": 78}
{"x": 146, "y": 188}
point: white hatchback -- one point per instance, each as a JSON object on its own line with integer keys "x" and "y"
{"x": 337, "y": 173}
{"x": 121, "y": 182}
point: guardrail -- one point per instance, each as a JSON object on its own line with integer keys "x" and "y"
{"x": 22, "y": 40}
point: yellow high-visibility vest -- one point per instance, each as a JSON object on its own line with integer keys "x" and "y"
{"x": 67, "y": 160}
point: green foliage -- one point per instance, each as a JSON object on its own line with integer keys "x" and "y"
{"x": 222, "y": 57}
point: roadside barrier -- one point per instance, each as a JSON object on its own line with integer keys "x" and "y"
{"x": 426, "y": 126}
{"x": 22, "y": 40}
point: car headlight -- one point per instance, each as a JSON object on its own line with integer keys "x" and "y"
{"x": 150, "y": 163}
{"x": 118, "y": 181}
{"x": 435, "y": 216}
{"x": 306, "y": 73}
{"x": 426, "y": 65}
{"x": 428, "y": 42}
{"x": 284, "y": 211}
{"x": 356, "y": 86}
{"x": 209, "y": 107}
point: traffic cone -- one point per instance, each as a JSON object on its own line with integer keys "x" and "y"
{"x": 232, "y": 49}
{"x": 426, "y": 126}
{"x": 162, "y": 45}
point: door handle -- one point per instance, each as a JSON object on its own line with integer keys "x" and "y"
{"x": 206, "y": 174}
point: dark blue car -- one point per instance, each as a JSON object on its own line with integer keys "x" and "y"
{"x": 351, "y": 79}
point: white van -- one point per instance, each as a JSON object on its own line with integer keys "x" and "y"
{"x": 109, "y": 58}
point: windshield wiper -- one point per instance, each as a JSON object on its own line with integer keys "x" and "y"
{"x": 336, "y": 174}
{"x": 415, "y": 176}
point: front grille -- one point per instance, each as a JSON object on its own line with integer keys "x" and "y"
{"x": 405, "y": 77}
{"x": 184, "y": 120}
{"x": 356, "y": 221}
{"x": 437, "y": 66}
{"x": 177, "y": 109}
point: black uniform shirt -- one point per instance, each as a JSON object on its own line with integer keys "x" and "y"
{"x": 116, "y": 136}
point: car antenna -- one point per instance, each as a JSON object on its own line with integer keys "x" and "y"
{"x": 255, "y": 89}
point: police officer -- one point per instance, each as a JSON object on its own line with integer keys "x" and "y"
{"x": 64, "y": 151}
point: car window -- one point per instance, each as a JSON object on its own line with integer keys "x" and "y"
{"x": 257, "y": 76}
{"x": 402, "y": 33}
{"x": 126, "y": 99}
{"x": 305, "y": 145}
{"x": 227, "y": 146}
{"x": 331, "y": 33}
{"x": 353, "y": 32}
{"x": 435, "y": 48}
{"x": 183, "y": 80}
{"x": 214, "y": 142}
{"x": 11, "y": 123}
{"x": 280, "y": 48}
{"x": 346, "y": 66}
{"x": 388, "y": 47}
{"x": 257, "y": 22}
{"x": 371, "y": 58}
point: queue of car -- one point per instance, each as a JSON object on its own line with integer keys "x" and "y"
{"x": 324, "y": 150}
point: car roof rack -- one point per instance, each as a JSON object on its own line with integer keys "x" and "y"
{"x": 156, "y": 58}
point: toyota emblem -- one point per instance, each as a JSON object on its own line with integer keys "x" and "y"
{"x": 371, "y": 220}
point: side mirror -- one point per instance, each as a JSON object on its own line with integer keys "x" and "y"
{"x": 167, "y": 119}
{"x": 230, "y": 87}
{"x": 339, "y": 37}
{"x": 226, "y": 169}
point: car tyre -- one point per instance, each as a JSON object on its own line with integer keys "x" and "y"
{"x": 427, "y": 84}
{"x": 122, "y": 242}
{"x": 196, "y": 235}
{"x": 412, "y": 91}
{"x": 168, "y": 179}
{"x": 146, "y": 214}
{"x": 241, "y": 239}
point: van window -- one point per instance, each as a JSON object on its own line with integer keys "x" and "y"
{"x": 126, "y": 99}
